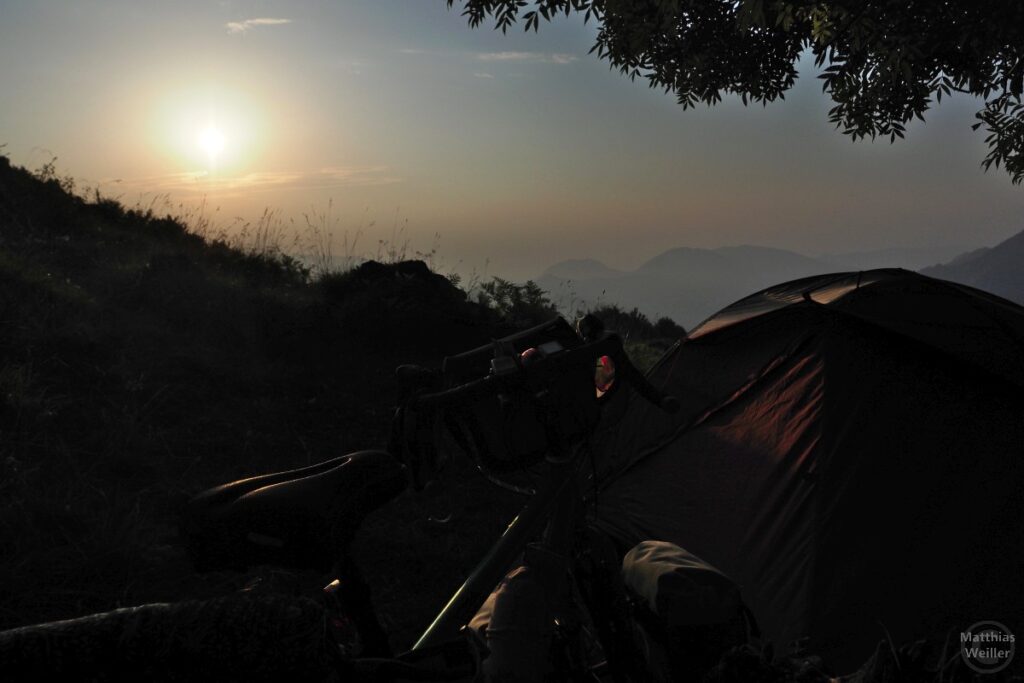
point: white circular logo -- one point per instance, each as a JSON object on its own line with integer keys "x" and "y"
{"x": 987, "y": 647}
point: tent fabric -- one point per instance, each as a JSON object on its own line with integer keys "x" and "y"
{"x": 850, "y": 450}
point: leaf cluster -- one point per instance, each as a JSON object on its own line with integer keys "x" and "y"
{"x": 633, "y": 325}
{"x": 884, "y": 62}
{"x": 517, "y": 305}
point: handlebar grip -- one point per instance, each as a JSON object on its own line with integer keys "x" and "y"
{"x": 457, "y": 394}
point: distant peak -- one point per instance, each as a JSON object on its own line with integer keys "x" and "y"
{"x": 738, "y": 256}
{"x": 757, "y": 249}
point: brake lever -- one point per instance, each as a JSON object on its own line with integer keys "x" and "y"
{"x": 625, "y": 370}
{"x": 592, "y": 331}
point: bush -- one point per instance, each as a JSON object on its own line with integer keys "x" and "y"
{"x": 635, "y": 326}
{"x": 518, "y": 306}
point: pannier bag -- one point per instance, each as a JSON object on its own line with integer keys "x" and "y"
{"x": 691, "y": 612}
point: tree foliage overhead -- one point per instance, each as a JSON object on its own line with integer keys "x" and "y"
{"x": 884, "y": 61}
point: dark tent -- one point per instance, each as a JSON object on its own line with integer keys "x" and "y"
{"x": 849, "y": 450}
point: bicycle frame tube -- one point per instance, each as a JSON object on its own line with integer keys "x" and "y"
{"x": 525, "y": 527}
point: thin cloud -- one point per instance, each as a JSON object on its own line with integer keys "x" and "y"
{"x": 201, "y": 182}
{"x": 235, "y": 27}
{"x": 482, "y": 74}
{"x": 351, "y": 66}
{"x": 508, "y": 56}
{"x": 505, "y": 56}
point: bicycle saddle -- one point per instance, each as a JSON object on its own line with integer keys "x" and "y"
{"x": 302, "y": 518}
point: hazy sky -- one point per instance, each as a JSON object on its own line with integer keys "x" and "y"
{"x": 518, "y": 150}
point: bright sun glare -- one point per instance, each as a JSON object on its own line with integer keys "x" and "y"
{"x": 211, "y": 140}
{"x": 206, "y": 128}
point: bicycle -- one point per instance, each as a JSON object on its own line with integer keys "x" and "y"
{"x": 524, "y": 405}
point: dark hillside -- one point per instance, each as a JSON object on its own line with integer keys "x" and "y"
{"x": 140, "y": 363}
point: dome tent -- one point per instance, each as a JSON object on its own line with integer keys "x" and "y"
{"x": 850, "y": 450}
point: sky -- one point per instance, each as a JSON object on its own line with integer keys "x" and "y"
{"x": 391, "y": 121}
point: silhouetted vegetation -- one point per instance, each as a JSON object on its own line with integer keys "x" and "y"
{"x": 635, "y": 326}
{"x": 645, "y": 342}
{"x": 885, "y": 63}
{"x": 141, "y": 362}
{"x": 519, "y": 306}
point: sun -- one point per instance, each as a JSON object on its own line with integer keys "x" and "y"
{"x": 205, "y": 128}
{"x": 211, "y": 141}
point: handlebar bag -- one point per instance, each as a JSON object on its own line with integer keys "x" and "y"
{"x": 512, "y": 431}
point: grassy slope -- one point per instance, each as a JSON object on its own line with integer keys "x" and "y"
{"x": 140, "y": 364}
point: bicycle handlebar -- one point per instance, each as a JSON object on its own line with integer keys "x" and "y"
{"x": 609, "y": 344}
{"x": 456, "y": 395}
{"x": 546, "y": 375}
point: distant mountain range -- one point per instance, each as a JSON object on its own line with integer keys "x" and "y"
{"x": 911, "y": 258}
{"x": 688, "y": 284}
{"x": 998, "y": 269}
